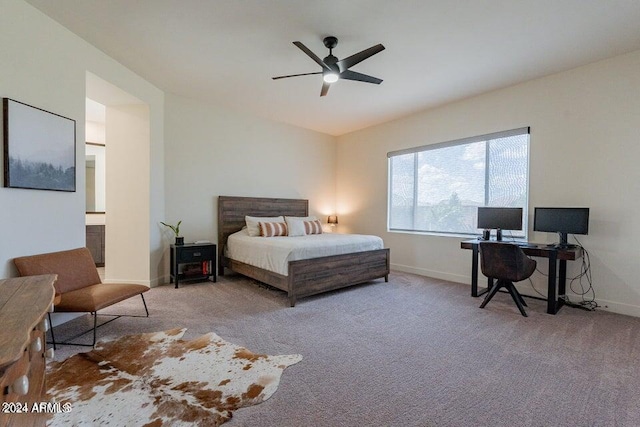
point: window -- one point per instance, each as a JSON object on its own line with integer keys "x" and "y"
{"x": 438, "y": 188}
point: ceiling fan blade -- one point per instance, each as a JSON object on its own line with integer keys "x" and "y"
{"x": 295, "y": 75}
{"x": 312, "y": 55}
{"x": 325, "y": 88}
{"x": 359, "y": 77}
{"x": 356, "y": 58}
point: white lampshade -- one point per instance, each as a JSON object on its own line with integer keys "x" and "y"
{"x": 330, "y": 77}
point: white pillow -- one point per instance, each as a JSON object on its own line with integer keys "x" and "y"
{"x": 252, "y": 223}
{"x": 295, "y": 224}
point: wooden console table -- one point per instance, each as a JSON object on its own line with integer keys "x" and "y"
{"x": 24, "y": 304}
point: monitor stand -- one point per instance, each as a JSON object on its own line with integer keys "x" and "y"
{"x": 564, "y": 242}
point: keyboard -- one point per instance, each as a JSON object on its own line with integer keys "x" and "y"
{"x": 526, "y": 245}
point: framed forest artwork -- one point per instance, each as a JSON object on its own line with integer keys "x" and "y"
{"x": 39, "y": 148}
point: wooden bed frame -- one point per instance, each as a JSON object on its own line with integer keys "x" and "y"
{"x": 306, "y": 277}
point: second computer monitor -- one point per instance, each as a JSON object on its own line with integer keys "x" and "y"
{"x": 563, "y": 221}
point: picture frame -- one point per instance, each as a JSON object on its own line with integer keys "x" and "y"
{"x": 39, "y": 148}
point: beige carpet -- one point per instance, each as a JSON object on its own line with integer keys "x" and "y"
{"x": 411, "y": 352}
{"x": 158, "y": 379}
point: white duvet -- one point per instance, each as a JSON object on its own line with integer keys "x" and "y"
{"x": 274, "y": 253}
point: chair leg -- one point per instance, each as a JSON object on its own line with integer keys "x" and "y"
{"x": 516, "y": 298}
{"x": 145, "y": 305}
{"x": 520, "y": 297}
{"x": 53, "y": 338}
{"x": 95, "y": 325}
{"x": 491, "y": 293}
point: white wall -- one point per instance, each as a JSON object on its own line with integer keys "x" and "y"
{"x": 40, "y": 221}
{"x": 584, "y": 152}
{"x": 213, "y": 151}
{"x": 45, "y": 65}
{"x": 95, "y": 132}
{"x": 128, "y": 196}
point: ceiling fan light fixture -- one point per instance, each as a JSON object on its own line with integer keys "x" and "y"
{"x": 334, "y": 69}
{"x": 331, "y": 77}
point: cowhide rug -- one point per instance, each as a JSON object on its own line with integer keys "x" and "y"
{"x": 158, "y": 379}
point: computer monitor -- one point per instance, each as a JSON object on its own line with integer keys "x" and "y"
{"x": 490, "y": 218}
{"x": 563, "y": 221}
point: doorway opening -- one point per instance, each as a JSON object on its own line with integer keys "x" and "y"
{"x": 117, "y": 156}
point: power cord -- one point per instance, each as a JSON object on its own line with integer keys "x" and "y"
{"x": 586, "y": 289}
{"x": 534, "y": 288}
{"x": 588, "y": 304}
{"x": 531, "y": 281}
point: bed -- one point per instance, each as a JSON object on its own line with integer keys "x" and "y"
{"x": 304, "y": 277}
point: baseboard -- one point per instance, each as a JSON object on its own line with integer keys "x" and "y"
{"x": 432, "y": 273}
{"x": 611, "y": 306}
{"x": 135, "y": 282}
{"x": 161, "y": 280}
{"x": 60, "y": 318}
{"x": 604, "y": 305}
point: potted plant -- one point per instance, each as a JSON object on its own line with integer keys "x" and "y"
{"x": 176, "y": 231}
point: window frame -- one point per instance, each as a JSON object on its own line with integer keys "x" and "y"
{"x": 457, "y": 142}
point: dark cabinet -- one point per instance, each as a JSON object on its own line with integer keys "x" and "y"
{"x": 95, "y": 243}
{"x": 193, "y": 261}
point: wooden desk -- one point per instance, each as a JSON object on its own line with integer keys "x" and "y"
{"x": 557, "y": 268}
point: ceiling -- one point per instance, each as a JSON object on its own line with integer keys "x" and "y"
{"x": 437, "y": 51}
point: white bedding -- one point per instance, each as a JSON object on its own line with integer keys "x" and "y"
{"x": 274, "y": 253}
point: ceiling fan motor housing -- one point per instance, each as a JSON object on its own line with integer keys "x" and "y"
{"x": 330, "y": 42}
{"x": 331, "y": 62}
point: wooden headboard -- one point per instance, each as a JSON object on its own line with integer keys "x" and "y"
{"x": 232, "y": 210}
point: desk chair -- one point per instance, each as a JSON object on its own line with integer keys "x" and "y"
{"x": 506, "y": 263}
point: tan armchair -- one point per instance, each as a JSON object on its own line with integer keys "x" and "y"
{"x": 79, "y": 288}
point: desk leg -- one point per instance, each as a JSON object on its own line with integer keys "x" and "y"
{"x": 562, "y": 278}
{"x": 562, "y": 284}
{"x": 552, "y": 296}
{"x": 474, "y": 271}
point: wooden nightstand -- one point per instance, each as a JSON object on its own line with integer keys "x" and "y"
{"x": 193, "y": 261}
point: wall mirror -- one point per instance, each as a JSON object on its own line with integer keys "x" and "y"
{"x": 95, "y": 178}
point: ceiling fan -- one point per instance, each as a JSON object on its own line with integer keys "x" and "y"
{"x": 334, "y": 69}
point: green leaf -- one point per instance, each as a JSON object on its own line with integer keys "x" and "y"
{"x": 175, "y": 228}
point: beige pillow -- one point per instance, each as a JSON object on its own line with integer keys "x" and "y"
{"x": 252, "y": 223}
{"x": 312, "y": 227}
{"x": 295, "y": 224}
{"x": 273, "y": 229}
